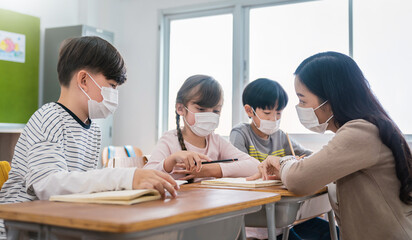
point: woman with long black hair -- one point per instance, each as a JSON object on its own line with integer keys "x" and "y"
{"x": 368, "y": 158}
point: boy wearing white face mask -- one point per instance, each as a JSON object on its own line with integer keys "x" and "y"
{"x": 181, "y": 152}
{"x": 58, "y": 150}
{"x": 264, "y": 101}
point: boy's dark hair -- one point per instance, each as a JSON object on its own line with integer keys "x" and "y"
{"x": 265, "y": 94}
{"x": 92, "y": 53}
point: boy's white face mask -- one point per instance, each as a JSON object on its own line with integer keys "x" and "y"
{"x": 309, "y": 120}
{"x": 205, "y": 123}
{"x": 106, "y": 107}
{"x": 266, "y": 126}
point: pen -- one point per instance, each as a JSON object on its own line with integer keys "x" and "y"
{"x": 219, "y": 161}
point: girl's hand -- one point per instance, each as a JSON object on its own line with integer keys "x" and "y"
{"x": 192, "y": 161}
{"x": 180, "y": 169}
{"x": 268, "y": 169}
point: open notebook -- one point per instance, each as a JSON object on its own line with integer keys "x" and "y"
{"x": 241, "y": 182}
{"x": 124, "y": 197}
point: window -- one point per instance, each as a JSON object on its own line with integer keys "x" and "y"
{"x": 382, "y": 37}
{"x": 281, "y": 37}
{"x": 201, "y": 45}
{"x": 272, "y": 37}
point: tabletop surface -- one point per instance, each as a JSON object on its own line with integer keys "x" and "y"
{"x": 279, "y": 189}
{"x": 191, "y": 204}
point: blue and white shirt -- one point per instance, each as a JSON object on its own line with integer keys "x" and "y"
{"x": 56, "y": 154}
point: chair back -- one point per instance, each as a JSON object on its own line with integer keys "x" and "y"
{"x": 4, "y": 172}
{"x": 122, "y": 154}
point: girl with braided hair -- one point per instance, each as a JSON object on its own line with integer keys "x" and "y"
{"x": 180, "y": 152}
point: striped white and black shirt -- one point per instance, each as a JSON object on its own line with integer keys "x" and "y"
{"x": 57, "y": 153}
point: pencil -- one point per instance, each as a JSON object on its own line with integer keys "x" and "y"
{"x": 290, "y": 145}
{"x": 219, "y": 161}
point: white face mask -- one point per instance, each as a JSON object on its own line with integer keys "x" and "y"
{"x": 205, "y": 123}
{"x": 106, "y": 107}
{"x": 266, "y": 126}
{"x": 309, "y": 120}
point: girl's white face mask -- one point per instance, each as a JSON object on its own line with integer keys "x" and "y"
{"x": 266, "y": 126}
{"x": 309, "y": 120}
{"x": 106, "y": 107}
{"x": 205, "y": 123}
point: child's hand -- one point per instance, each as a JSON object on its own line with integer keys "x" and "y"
{"x": 268, "y": 169}
{"x": 153, "y": 179}
{"x": 192, "y": 161}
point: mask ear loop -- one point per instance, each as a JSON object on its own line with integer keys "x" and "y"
{"x": 320, "y": 105}
{"x": 184, "y": 118}
{"x": 329, "y": 119}
{"x": 84, "y": 92}
{"x": 94, "y": 81}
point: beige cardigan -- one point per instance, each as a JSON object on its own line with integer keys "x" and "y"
{"x": 367, "y": 187}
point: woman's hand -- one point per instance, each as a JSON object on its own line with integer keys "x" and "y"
{"x": 268, "y": 169}
{"x": 192, "y": 161}
{"x": 153, "y": 179}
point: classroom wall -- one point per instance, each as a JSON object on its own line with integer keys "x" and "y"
{"x": 63, "y": 13}
{"x": 135, "y": 24}
{"x": 136, "y": 118}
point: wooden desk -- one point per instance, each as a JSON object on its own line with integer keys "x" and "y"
{"x": 286, "y": 209}
{"x": 279, "y": 189}
{"x": 192, "y": 209}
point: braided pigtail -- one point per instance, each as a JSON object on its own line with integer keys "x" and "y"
{"x": 179, "y": 133}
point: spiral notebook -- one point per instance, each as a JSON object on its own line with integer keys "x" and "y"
{"x": 241, "y": 182}
{"x": 124, "y": 197}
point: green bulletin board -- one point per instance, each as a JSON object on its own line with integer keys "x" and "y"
{"x": 19, "y": 76}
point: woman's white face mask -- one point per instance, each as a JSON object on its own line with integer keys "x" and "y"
{"x": 266, "y": 126}
{"x": 309, "y": 119}
{"x": 205, "y": 123}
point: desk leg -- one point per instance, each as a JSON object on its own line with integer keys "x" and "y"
{"x": 242, "y": 230}
{"x": 270, "y": 218}
{"x": 332, "y": 225}
{"x": 285, "y": 235}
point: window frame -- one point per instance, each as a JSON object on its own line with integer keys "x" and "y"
{"x": 240, "y": 48}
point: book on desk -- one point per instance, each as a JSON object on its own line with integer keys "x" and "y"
{"x": 242, "y": 182}
{"x": 124, "y": 197}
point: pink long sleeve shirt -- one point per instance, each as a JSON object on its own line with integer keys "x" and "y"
{"x": 217, "y": 148}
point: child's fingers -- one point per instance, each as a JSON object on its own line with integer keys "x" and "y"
{"x": 273, "y": 177}
{"x": 198, "y": 163}
{"x": 186, "y": 161}
{"x": 180, "y": 165}
{"x": 181, "y": 171}
{"x": 254, "y": 177}
{"x": 168, "y": 178}
{"x": 263, "y": 169}
{"x": 191, "y": 163}
{"x": 187, "y": 177}
{"x": 169, "y": 188}
{"x": 204, "y": 157}
{"x": 158, "y": 185}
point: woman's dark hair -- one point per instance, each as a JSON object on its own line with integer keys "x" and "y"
{"x": 337, "y": 78}
{"x": 92, "y": 53}
{"x": 265, "y": 94}
{"x": 204, "y": 90}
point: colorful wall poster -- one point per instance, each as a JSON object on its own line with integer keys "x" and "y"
{"x": 12, "y": 47}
